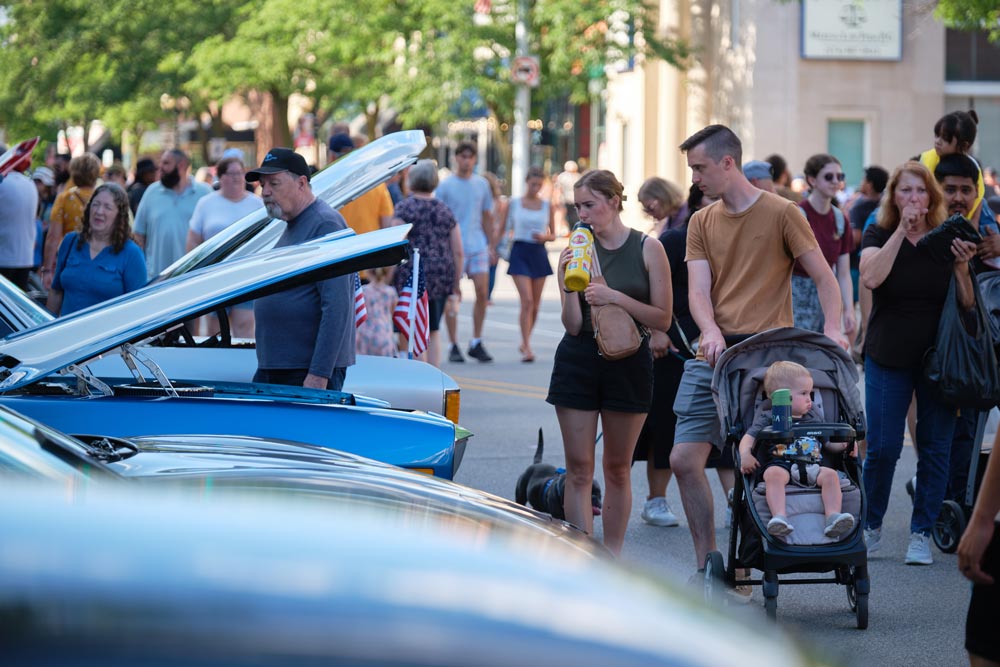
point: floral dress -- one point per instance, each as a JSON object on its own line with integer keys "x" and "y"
{"x": 375, "y": 335}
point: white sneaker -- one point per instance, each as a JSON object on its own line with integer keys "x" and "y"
{"x": 919, "y": 552}
{"x": 837, "y": 525}
{"x": 779, "y": 526}
{"x": 656, "y": 512}
{"x": 873, "y": 539}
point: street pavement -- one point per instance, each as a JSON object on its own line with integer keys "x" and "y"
{"x": 917, "y": 614}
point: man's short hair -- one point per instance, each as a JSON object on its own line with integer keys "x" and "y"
{"x": 466, "y": 147}
{"x": 719, "y": 141}
{"x": 878, "y": 177}
{"x": 179, "y": 155}
{"x": 958, "y": 165}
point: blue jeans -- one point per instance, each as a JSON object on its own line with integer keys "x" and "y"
{"x": 887, "y": 398}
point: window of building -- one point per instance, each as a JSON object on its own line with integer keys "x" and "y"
{"x": 970, "y": 56}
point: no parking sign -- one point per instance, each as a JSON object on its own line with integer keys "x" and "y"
{"x": 525, "y": 71}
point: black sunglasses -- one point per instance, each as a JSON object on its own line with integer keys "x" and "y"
{"x": 840, "y": 177}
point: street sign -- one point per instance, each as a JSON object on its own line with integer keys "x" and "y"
{"x": 525, "y": 71}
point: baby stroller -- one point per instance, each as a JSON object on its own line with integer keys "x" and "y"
{"x": 737, "y": 386}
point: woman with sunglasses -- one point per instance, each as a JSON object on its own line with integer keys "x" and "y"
{"x": 825, "y": 177}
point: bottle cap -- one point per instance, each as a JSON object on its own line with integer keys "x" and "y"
{"x": 781, "y": 397}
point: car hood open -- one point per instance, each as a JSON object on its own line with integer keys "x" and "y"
{"x": 30, "y": 355}
{"x": 343, "y": 181}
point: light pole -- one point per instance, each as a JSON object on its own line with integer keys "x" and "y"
{"x": 522, "y": 108}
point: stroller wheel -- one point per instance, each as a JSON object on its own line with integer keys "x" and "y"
{"x": 860, "y": 608}
{"x": 949, "y": 526}
{"x": 852, "y": 597}
{"x": 771, "y": 608}
{"x": 715, "y": 572}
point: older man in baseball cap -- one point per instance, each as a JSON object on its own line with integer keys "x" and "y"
{"x": 305, "y": 335}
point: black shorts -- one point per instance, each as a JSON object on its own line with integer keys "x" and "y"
{"x": 981, "y": 636}
{"x": 583, "y": 380}
{"x": 435, "y": 307}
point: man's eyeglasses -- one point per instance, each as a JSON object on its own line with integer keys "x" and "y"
{"x": 830, "y": 177}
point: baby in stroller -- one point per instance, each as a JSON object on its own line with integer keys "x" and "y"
{"x": 800, "y": 463}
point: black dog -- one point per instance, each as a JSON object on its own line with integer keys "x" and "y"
{"x": 541, "y": 486}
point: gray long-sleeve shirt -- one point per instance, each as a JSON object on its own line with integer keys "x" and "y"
{"x": 311, "y": 326}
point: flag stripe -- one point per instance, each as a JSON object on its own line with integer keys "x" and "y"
{"x": 421, "y": 315}
{"x": 360, "y": 309}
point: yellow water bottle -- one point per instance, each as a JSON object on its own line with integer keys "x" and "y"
{"x": 581, "y": 242}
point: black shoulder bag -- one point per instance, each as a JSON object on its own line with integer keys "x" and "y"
{"x": 963, "y": 365}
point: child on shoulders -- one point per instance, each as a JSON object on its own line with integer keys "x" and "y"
{"x": 778, "y": 472}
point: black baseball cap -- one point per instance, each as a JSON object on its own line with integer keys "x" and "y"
{"x": 278, "y": 160}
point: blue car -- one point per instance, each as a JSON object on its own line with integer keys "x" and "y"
{"x": 404, "y": 383}
{"x": 44, "y": 370}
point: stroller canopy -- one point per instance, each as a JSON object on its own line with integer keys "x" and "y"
{"x": 833, "y": 369}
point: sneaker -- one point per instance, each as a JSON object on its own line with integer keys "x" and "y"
{"x": 919, "y": 551}
{"x": 740, "y": 594}
{"x": 838, "y": 525}
{"x": 873, "y": 538}
{"x": 779, "y": 526}
{"x": 479, "y": 352}
{"x": 656, "y": 512}
{"x": 455, "y": 355}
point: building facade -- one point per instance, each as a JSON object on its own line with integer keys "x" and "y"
{"x": 779, "y": 74}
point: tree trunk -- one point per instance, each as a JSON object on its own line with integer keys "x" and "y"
{"x": 502, "y": 143}
{"x": 86, "y": 134}
{"x": 371, "y": 119}
{"x": 280, "y": 119}
{"x": 203, "y": 141}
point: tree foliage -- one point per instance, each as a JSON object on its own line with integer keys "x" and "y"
{"x": 66, "y": 62}
{"x": 971, "y": 15}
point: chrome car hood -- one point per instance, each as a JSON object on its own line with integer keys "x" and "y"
{"x": 30, "y": 355}
{"x": 341, "y": 182}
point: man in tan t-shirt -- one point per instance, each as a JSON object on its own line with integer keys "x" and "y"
{"x": 740, "y": 254}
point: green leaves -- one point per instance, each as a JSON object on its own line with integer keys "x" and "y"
{"x": 65, "y": 62}
{"x": 971, "y": 15}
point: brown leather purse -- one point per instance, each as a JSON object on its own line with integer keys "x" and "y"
{"x": 617, "y": 334}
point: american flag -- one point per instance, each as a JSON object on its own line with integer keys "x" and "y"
{"x": 360, "y": 310}
{"x": 401, "y": 316}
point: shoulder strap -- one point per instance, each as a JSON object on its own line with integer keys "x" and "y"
{"x": 64, "y": 250}
{"x": 839, "y": 216}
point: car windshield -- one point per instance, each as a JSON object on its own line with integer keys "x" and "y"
{"x": 29, "y": 448}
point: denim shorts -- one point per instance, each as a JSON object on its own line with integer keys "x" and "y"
{"x": 697, "y": 416}
{"x": 477, "y": 263}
